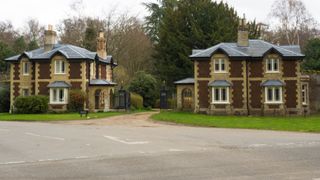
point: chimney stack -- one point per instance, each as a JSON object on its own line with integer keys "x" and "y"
{"x": 101, "y": 45}
{"x": 243, "y": 33}
{"x": 49, "y": 38}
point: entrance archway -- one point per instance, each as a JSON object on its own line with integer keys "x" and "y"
{"x": 187, "y": 99}
{"x": 97, "y": 95}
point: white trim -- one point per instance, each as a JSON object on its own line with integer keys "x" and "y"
{"x": 273, "y": 62}
{"x": 273, "y": 101}
{"x": 220, "y": 94}
{"x": 58, "y": 67}
{"x": 24, "y": 68}
{"x": 220, "y": 62}
{"x": 57, "y": 91}
{"x": 305, "y": 97}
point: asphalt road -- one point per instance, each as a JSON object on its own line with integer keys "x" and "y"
{"x": 147, "y": 150}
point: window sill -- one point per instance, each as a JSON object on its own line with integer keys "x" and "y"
{"x": 58, "y": 103}
{"x": 220, "y": 72}
{"x": 218, "y": 103}
{"x": 59, "y": 73}
{"x": 273, "y": 103}
{"x": 25, "y": 74}
{"x": 272, "y": 72}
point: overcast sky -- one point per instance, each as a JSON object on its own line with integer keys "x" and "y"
{"x": 52, "y": 11}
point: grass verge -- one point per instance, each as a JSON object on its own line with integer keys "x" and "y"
{"x": 56, "y": 117}
{"x": 300, "y": 124}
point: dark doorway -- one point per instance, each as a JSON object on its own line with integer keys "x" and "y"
{"x": 97, "y": 99}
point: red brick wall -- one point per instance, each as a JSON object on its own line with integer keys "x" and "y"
{"x": 103, "y": 71}
{"x": 237, "y": 94}
{"x": 16, "y": 71}
{"x": 256, "y": 68}
{"x": 16, "y": 89}
{"x": 291, "y": 93}
{"x": 43, "y": 89}
{"x": 203, "y": 94}
{"x": 289, "y": 68}
{"x": 256, "y": 92}
{"x": 44, "y": 70}
{"x": 75, "y": 70}
{"x": 236, "y": 68}
{"x": 203, "y": 68}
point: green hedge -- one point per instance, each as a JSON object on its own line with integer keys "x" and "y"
{"x": 172, "y": 103}
{"x": 31, "y": 104}
{"x": 136, "y": 101}
{"x": 4, "y": 100}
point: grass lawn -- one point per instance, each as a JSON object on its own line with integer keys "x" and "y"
{"x": 301, "y": 124}
{"x": 55, "y": 117}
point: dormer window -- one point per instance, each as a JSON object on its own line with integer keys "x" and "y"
{"x": 26, "y": 67}
{"x": 59, "y": 67}
{"x": 219, "y": 65}
{"x": 272, "y": 65}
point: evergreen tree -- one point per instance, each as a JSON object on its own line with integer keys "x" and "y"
{"x": 5, "y": 52}
{"x": 19, "y": 45}
{"x": 312, "y": 52}
{"x": 187, "y": 25}
{"x": 32, "y": 45}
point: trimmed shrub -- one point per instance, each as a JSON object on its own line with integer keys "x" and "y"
{"x": 76, "y": 100}
{"x": 4, "y": 100}
{"x": 145, "y": 85}
{"x": 172, "y": 103}
{"x": 136, "y": 101}
{"x": 31, "y": 104}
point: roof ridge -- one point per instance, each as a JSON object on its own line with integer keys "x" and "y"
{"x": 275, "y": 46}
{"x": 238, "y": 51}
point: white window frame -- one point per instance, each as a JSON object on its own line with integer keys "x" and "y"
{"x": 55, "y": 99}
{"x": 25, "y": 92}
{"x": 58, "y": 67}
{"x": 304, "y": 94}
{"x": 219, "y": 61}
{"x": 273, "y": 62}
{"x": 25, "y": 68}
{"x": 220, "y": 101}
{"x": 273, "y": 101}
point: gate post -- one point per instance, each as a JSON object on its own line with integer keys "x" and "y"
{"x": 163, "y": 97}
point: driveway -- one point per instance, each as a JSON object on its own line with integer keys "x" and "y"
{"x": 133, "y": 147}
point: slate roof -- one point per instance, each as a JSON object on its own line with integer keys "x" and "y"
{"x": 59, "y": 84}
{"x": 275, "y": 83}
{"x": 220, "y": 83}
{"x": 101, "y": 82}
{"x": 185, "y": 81}
{"x": 256, "y": 48}
{"x": 71, "y": 52}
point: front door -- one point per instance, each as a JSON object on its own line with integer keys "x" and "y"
{"x": 187, "y": 99}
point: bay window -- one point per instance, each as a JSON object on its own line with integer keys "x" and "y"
{"x": 58, "y": 95}
{"x": 220, "y": 95}
{"x": 273, "y": 95}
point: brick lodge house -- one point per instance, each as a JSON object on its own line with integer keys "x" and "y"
{"x": 247, "y": 77}
{"x": 55, "y": 69}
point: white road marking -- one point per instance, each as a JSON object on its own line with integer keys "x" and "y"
{"x": 48, "y": 137}
{"x": 176, "y": 150}
{"x": 258, "y": 145}
{"x": 125, "y": 142}
{"x": 81, "y": 157}
{"x": 12, "y": 162}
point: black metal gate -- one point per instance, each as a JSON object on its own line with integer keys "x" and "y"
{"x": 121, "y": 100}
{"x": 163, "y": 98}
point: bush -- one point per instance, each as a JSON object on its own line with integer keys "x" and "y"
{"x": 31, "y": 104}
{"x": 4, "y": 100}
{"x": 145, "y": 85}
{"x": 157, "y": 104}
{"x": 76, "y": 100}
{"x": 172, "y": 103}
{"x": 136, "y": 101}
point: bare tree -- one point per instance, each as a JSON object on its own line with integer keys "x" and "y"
{"x": 295, "y": 24}
{"x": 33, "y": 31}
